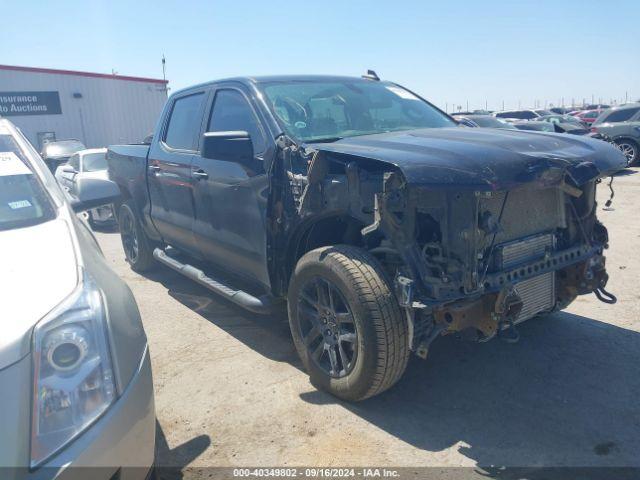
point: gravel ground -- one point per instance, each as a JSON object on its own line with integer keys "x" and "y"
{"x": 230, "y": 390}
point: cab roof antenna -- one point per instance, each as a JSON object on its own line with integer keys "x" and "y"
{"x": 371, "y": 75}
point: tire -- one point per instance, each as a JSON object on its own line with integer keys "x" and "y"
{"x": 366, "y": 315}
{"x": 630, "y": 149}
{"x": 138, "y": 249}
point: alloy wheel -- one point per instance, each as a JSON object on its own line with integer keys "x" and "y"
{"x": 628, "y": 150}
{"x": 129, "y": 236}
{"x": 327, "y": 327}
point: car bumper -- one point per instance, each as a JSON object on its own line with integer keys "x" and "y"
{"x": 119, "y": 445}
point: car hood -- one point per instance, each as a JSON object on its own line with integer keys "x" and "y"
{"x": 482, "y": 158}
{"x": 39, "y": 270}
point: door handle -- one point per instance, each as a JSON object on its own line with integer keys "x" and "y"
{"x": 154, "y": 168}
{"x": 200, "y": 174}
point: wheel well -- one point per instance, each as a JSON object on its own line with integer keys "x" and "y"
{"x": 125, "y": 195}
{"x": 322, "y": 232}
{"x": 627, "y": 138}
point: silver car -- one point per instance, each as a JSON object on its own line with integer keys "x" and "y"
{"x": 75, "y": 376}
{"x": 90, "y": 163}
{"x": 622, "y": 125}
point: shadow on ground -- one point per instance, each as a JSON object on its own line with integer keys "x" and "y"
{"x": 566, "y": 394}
{"x": 171, "y": 461}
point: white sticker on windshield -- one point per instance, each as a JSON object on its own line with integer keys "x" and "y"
{"x": 19, "y": 204}
{"x": 402, "y": 93}
{"x": 10, "y": 164}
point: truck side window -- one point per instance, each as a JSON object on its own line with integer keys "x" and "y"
{"x": 184, "y": 123}
{"x": 231, "y": 112}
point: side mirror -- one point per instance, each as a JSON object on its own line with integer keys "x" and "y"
{"x": 68, "y": 169}
{"x": 94, "y": 192}
{"x": 228, "y": 146}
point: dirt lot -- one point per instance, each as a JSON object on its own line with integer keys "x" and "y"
{"x": 230, "y": 390}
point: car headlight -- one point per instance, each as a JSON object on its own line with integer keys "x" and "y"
{"x": 73, "y": 377}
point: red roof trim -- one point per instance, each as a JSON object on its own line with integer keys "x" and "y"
{"x": 82, "y": 74}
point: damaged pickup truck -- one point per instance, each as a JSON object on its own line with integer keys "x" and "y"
{"x": 382, "y": 222}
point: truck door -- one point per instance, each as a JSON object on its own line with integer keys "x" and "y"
{"x": 169, "y": 171}
{"x": 231, "y": 198}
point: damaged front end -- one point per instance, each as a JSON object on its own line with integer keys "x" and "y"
{"x": 474, "y": 259}
{"x": 479, "y": 262}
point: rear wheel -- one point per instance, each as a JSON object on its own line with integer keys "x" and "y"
{"x": 346, "y": 324}
{"x": 630, "y": 150}
{"x": 138, "y": 249}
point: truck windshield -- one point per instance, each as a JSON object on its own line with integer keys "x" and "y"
{"x": 329, "y": 110}
{"x": 23, "y": 201}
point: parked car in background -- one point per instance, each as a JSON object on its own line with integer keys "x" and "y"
{"x": 55, "y": 154}
{"x": 521, "y": 114}
{"x": 484, "y": 121}
{"x": 596, "y": 106}
{"x": 381, "y": 222}
{"x": 75, "y": 374}
{"x": 561, "y": 110}
{"x": 622, "y": 125}
{"x": 535, "y": 126}
{"x": 90, "y": 163}
{"x": 566, "y": 124}
{"x": 587, "y": 116}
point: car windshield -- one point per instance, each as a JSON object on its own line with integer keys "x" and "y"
{"x": 63, "y": 149}
{"x": 93, "y": 162}
{"x": 330, "y": 110}
{"x": 23, "y": 200}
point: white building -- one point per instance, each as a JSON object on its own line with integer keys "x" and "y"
{"x": 97, "y": 109}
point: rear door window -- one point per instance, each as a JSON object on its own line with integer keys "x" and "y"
{"x": 184, "y": 122}
{"x": 621, "y": 115}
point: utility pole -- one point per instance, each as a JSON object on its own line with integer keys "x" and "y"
{"x": 164, "y": 74}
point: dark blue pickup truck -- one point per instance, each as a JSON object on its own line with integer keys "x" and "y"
{"x": 382, "y": 222}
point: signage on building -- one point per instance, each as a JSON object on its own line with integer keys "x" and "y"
{"x": 29, "y": 103}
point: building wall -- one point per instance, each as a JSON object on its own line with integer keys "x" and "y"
{"x": 111, "y": 110}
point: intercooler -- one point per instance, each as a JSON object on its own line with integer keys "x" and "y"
{"x": 537, "y": 293}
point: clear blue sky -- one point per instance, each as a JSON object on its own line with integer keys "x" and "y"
{"x": 448, "y": 51}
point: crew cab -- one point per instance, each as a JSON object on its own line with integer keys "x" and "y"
{"x": 380, "y": 221}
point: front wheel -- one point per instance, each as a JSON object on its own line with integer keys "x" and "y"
{"x": 138, "y": 248}
{"x": 346, "y": 323}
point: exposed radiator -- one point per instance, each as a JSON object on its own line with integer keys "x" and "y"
{"x": 528, "y": 211}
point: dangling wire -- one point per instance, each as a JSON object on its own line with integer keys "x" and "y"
{"x": 607, "y": 205}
